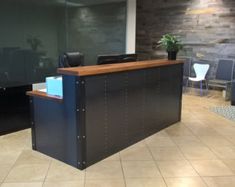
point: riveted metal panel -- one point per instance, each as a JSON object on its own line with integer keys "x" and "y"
{"x": 50, "y": 129}
{"x": 101, "y": 115}
{"x": 95, "y": 118}
{"x": 124, "y": 108}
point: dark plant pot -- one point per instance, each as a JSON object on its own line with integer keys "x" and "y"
{"x": 172, "y": 55}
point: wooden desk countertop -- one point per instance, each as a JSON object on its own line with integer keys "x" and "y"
{"x": 104, "y": 69}
{"x": 112, "y": 68}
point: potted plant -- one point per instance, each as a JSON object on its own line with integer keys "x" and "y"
{"x": 34, "y": 42}
{"x": 172, "y": 44}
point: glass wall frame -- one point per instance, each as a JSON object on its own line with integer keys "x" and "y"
{"x": 34, "y": 33}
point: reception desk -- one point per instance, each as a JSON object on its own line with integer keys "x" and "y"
{"x": 105, "y": 109}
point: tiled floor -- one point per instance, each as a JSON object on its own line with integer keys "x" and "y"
{"x": 197, "y": 152}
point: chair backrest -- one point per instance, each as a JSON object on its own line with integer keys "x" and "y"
{"x": 201, "y": 70}
{"x": 225, "y": 70}
{"x": 71, "y": 59}
{"x": 187, "y": 67}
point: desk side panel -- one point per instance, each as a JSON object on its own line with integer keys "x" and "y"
{"x": 55, "y": 124}
{"x": 49, "y": 127}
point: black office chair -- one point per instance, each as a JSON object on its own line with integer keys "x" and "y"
{"x": 71, "y": 59}
{"x": 128, "y": 58}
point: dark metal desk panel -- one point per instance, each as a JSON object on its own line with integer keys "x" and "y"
{"x": 124, "y": 108}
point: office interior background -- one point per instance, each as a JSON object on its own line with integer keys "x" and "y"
{"x": 33, "y": 34}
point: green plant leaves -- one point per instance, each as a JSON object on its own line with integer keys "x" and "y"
{"x": 170, "y": 43}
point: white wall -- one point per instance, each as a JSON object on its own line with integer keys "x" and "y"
{"x": 131, "y": 27}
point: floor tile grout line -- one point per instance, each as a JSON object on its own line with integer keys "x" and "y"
{"x": 205, "y": 146}
{"x": 84, "y": 182}
{"x": 47, "y": 172}
{"x": 217, "y": 157}
{"x": 222, "y": 118}
{"x": 202, "y": 143}
{"x": 190, "y": 163}
{"x": 229, "y": 140}
{"x": 222, "y": 135}
{"x": 155, "y": 163}
{"x": 124, "y": 178}
{"x": 13, "y": 165}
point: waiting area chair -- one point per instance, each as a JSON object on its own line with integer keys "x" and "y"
{"x": 223, "y": 77}
{"x": 233, "y": 93}
{"x": 71, "y": 59}
{"x": 200, "y": 71}
{"x": 186, "y": 72}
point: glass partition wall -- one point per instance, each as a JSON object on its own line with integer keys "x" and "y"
{"x": 34, "y": 33}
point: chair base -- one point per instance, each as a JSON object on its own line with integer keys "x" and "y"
{"x": 200, "y": 84}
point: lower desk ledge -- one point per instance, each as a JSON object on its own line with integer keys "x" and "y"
{"x": 44, "y": 95}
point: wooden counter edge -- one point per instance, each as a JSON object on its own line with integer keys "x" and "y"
{"x": 44, "y": 95}
{"x": 113, "y": 68}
